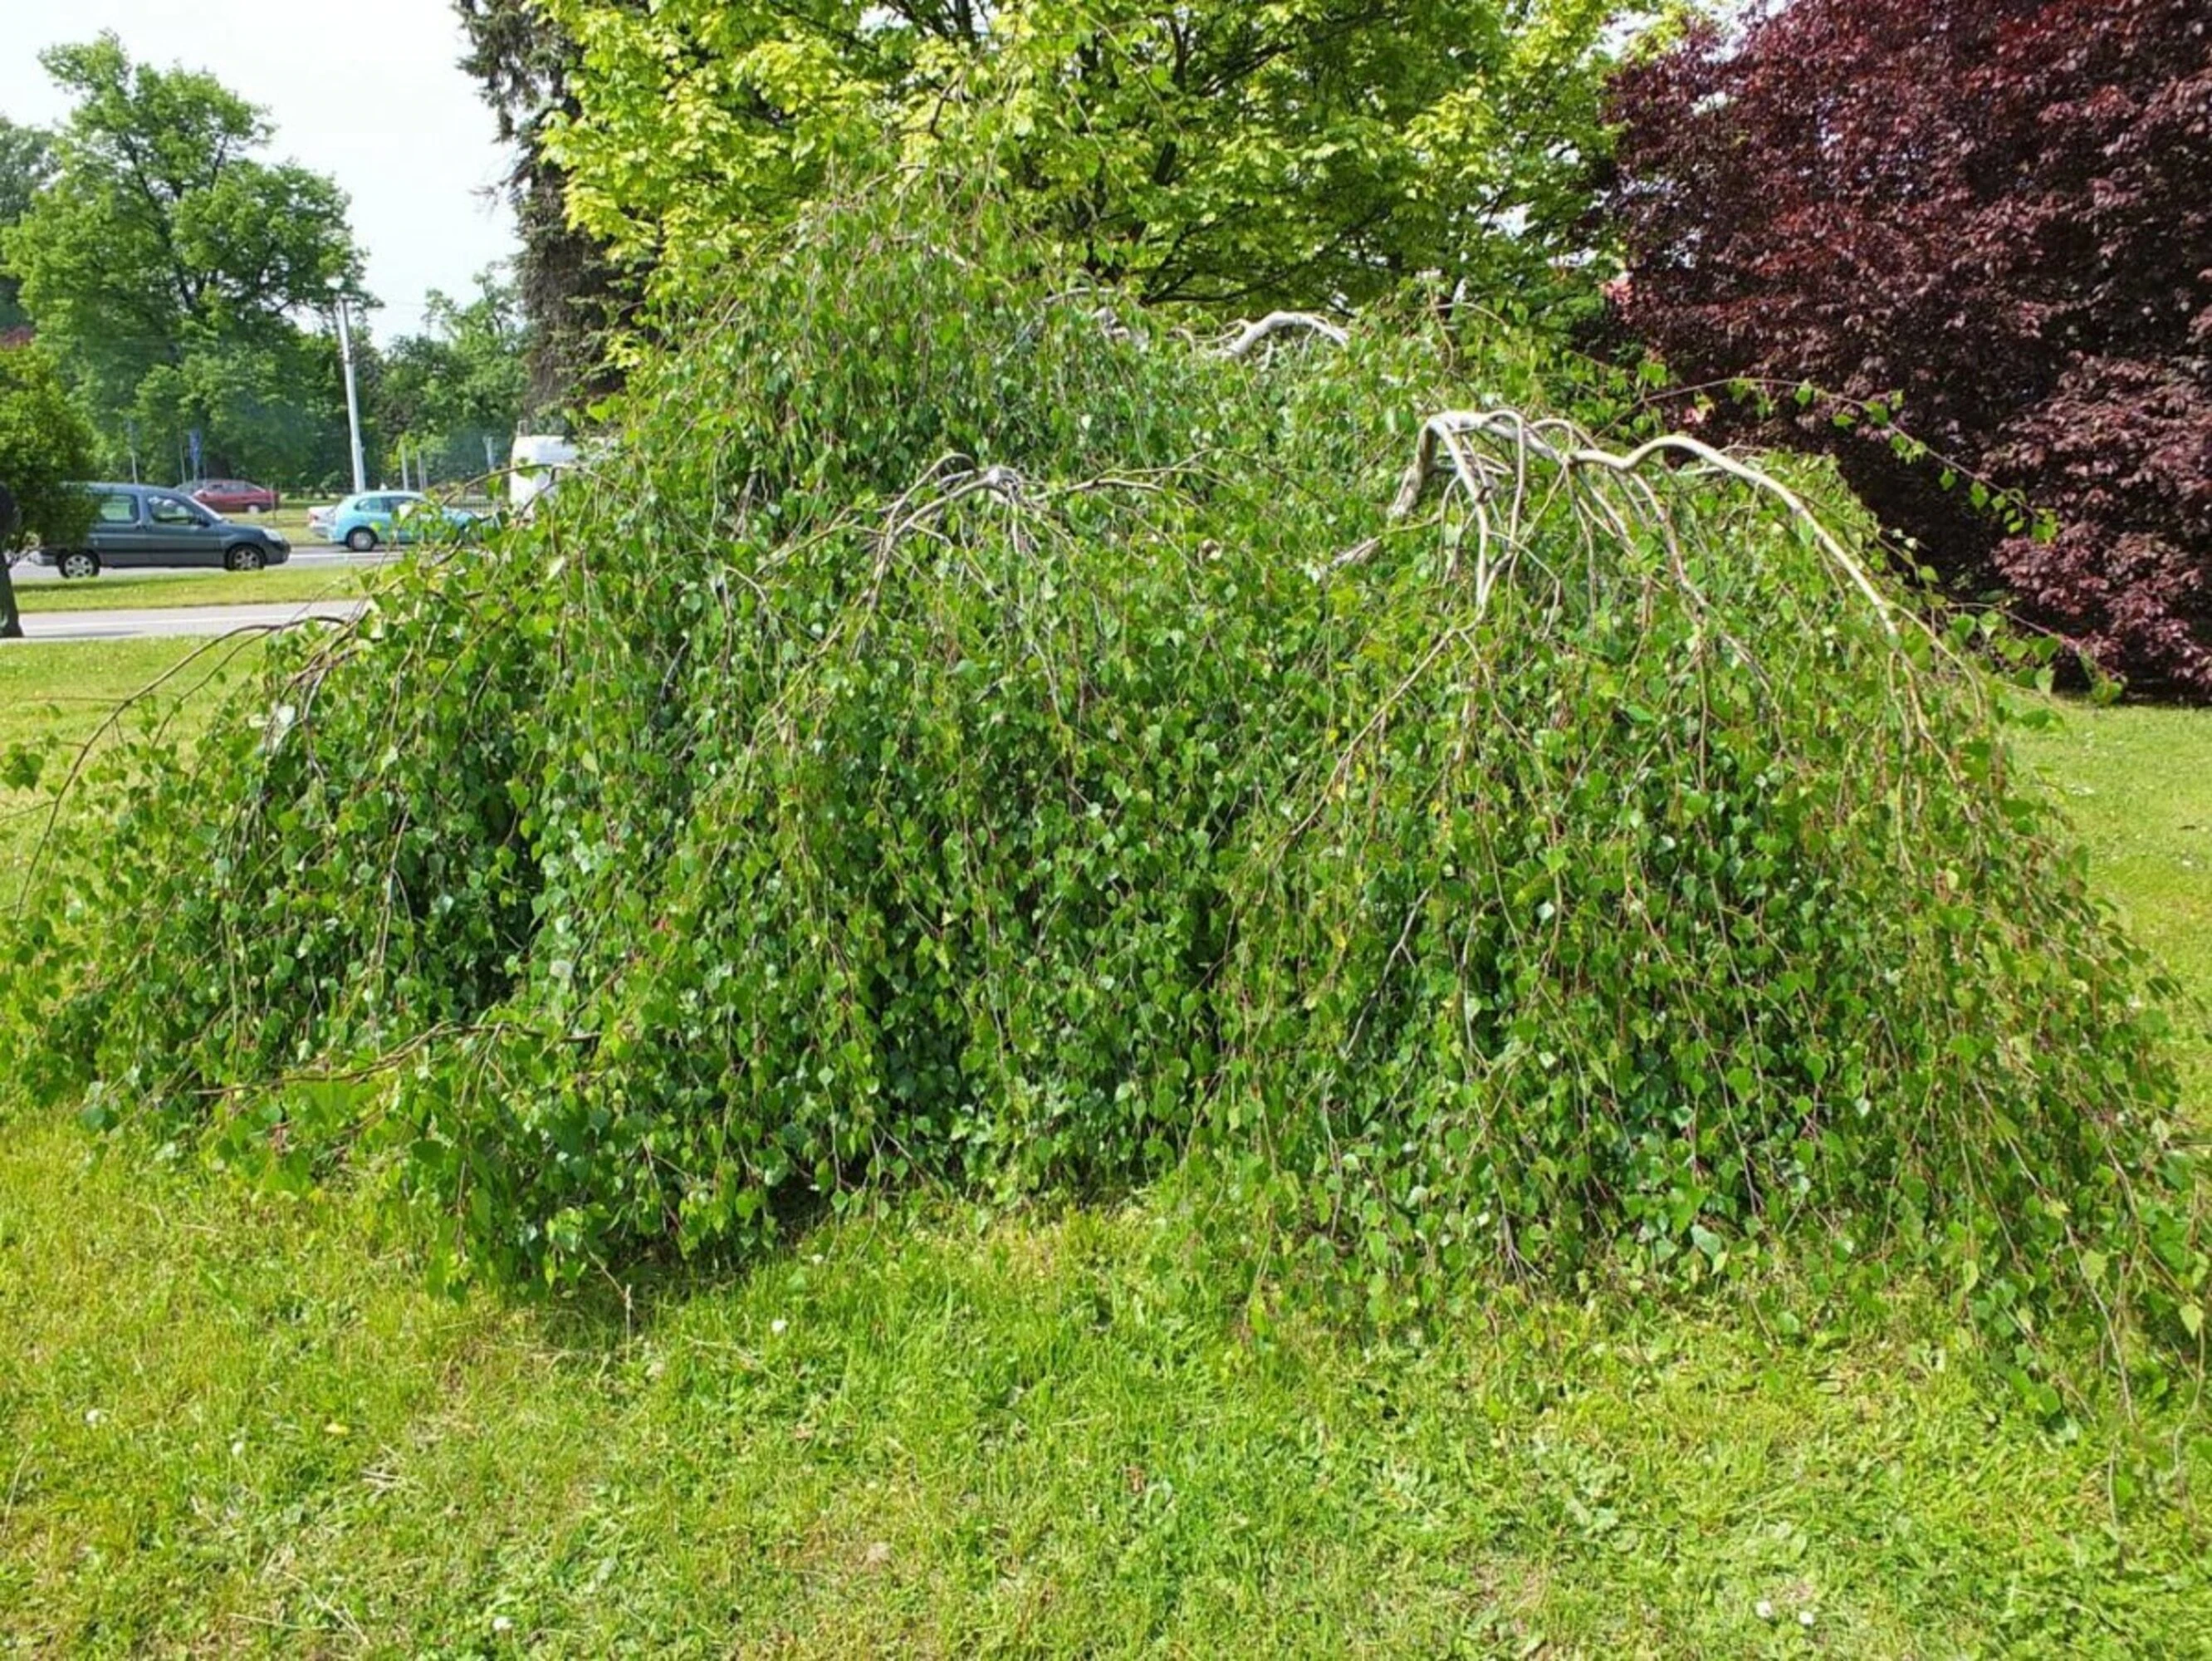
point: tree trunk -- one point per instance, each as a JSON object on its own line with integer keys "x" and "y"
{"x": 11, "y": 619}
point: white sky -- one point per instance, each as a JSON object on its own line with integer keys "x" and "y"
{"x": 364, "y": 90}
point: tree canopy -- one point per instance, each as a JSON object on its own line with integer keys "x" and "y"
{"x": 1317, "y": 151}
{"x": 441, "y": 394}
{"x": 1990, "y": 223}
{"x": 26, "y": 162}
{"x": 167, "y": 265}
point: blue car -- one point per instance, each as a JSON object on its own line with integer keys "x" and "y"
{"x": 374, "y": 517}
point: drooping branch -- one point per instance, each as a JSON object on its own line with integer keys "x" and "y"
{"x": 945, "y": 482}
{"x": 1459, "y": 434}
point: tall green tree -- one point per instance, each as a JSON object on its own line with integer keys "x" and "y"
{"x": 441, "y": 394}
{"x": 570, "y": 288}
{"x": 1220, "y": 151}
{"x": 169, "y": 265}
{"x": 26, "y": 162}
{"x": 45, "y": 445}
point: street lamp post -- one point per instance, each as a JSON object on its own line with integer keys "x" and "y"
{"x": 353, "y": 397}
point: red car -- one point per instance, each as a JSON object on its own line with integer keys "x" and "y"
{"x": 233, "y": 496}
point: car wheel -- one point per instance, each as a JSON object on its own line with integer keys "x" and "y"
{"x": 361, "y": 538}
{"x": 80, "y": 564}
{"x": 244, "y": 558}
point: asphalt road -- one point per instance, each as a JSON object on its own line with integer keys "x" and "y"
{"x": 180, "y": 620}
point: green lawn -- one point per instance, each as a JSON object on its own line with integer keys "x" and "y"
{"x": 111, "y": 592}
{"x": 290, "y": 522}
{"x": 57, "y": 694}
{"x": 234, "y": 1421}
{"x": 2138, "y": 784}
{"x": 64, "y": 689}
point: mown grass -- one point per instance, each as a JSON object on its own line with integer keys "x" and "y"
{"x": 113, "y": 591}
{"x": 234, "y": 1420}
{"x": 55, "y": 694}
{"x": 2138, "y": 785}
{"x": 241, "y": 1423}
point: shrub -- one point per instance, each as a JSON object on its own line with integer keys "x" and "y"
{"x": 45, "y": 445}
{"x": 1992, "y": 219}
{"x": 971, "y": 732}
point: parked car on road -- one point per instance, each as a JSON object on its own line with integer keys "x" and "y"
{"x": 362, "y": 522}
{"x": 136, "y": 526}
{"x": 231, "y": 495}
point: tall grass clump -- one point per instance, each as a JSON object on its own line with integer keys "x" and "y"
{"x": 970, "y": 731}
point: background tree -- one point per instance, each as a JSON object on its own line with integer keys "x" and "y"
{"x": 569, "y": 288}
{"x": 1314, "y": 151}
{"x": 453, "y": 395}
{"x": 167, "y": 266}
{"x": 45, "y": 444}
{"x": 26, "y": 162}
{"x": 1995, "y": 215}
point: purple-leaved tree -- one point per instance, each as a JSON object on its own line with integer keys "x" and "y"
{"x": 1995, "y": 215}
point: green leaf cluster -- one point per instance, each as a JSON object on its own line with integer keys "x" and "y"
{"x": 947, "y": 740}
{"x": 26, "y": 162}
{"x": 45, "y": 443}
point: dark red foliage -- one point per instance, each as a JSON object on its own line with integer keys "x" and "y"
{"x": 2002, "y": 211}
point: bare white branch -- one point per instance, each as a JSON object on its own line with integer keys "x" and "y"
{"x": 1483, "y": 449}
{"x": 1249, "y": 335}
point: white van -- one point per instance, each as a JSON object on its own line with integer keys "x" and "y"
{"x": 536, "y": 465}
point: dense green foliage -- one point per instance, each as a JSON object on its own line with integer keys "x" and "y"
{"x": 168, "y": 268}
{"x": 45, "y": 443}
{"x": 971, "y": 731}
{"x": 1302, "y": 151}
{"x": 26, "y": 162}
